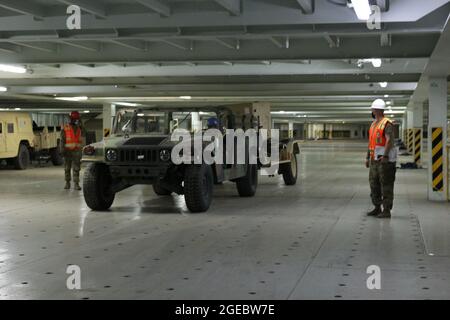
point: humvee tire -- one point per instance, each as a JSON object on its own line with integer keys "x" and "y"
{"x": 247, "y": 185}
{"x": 22, "y": 161}
{"x": 160, "y": 191}
{"x": 290, "y": 171}
{"x": 96, "y": 183}
{"x": 56, "y": 156}
{"x": 198, "y": 187}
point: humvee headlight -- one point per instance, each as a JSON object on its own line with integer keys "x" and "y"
{"x": 89, "y": 150}
{"x": 111, "y": 155}
{"x": 164, "y": 155}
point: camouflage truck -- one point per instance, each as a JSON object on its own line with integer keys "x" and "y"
{"x": 139, "y": 152}
{"x": 21, "y": 141}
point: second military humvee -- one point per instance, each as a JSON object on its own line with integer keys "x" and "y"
{"x": 139, "y": 152}
{"x": 21, "y": 140}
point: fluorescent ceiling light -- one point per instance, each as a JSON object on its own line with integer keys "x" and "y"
{"x": 386, "y": 96}
{"x": 126, "y": 104}
{"x": 17, "y": 109}
{"x": 362, "y": 9}
{"x": 83, "y": 98}
{"x": 376, "y": 62}
{"x": 13, "y": 69}
{"x": 186, "y": 97}
{"x": 383, "y": 84}
{"x": 3, "y": 89}
{"x": 285, "y": 112}
{"x": 140, "y": 114}
{"x": 86, "y": 111}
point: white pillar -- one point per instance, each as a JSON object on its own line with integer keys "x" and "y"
{"x": 196, "y": 122}
{"x": 437, "y": 140}
{"x": 404, "y": 127}
{"x": 291, "y": 129}
{"x": 109, "y": 111}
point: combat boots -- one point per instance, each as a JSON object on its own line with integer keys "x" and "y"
{"x": 67, "y": 186}
{"x": 374, "y": 212}
{"x": 386, "y": 214}
{"x": 77, "y": 186}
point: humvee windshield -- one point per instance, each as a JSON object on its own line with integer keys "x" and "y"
{"x": 151, "y": 122}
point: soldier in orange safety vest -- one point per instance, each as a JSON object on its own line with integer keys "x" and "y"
{"x": 72, "y": 137}
{"x": 381, "y": 159}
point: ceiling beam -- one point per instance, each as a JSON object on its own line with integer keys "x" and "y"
{"x": 333, "y": 42}
{"x": 9, "y": 48}
{"x": 81, "y": 45}
{"x": 51, "y": 48}
{"x": 90, "y": 6}
{"x": 307, "y": 6}
{"x": 157, "y": 6}
{"x": 227, "y": 44}
{"x": 26, "y": 7}
{"x": 176, "y": 44}
{"x": 135, "y": 45}
{"x": 385, "y": 39}
{"x": 276, "y": 42}
{"x": 214, "y": 89}
{"x": 232, "y": 6}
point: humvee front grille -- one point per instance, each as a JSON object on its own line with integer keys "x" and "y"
{"x": 141, "y": 156}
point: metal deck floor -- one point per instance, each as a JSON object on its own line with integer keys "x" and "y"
{"x": 309, "y": 241}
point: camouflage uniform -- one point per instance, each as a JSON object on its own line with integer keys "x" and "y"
{"x": 382, "y": 178}
{"x": 72, "y": 158}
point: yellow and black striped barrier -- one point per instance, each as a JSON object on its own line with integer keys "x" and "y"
{"x": 410, "y": 140}
{"x": 106, "y": 132}
{"x": 437, "y": 160}
{"x": 418, "y": 146}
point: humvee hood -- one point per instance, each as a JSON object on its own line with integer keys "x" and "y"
{"x": 119, "y": 141}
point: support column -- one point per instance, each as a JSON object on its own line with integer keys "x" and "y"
{"x": 405, "y": 129}
{"x": 330, "y": 132}
{"x": 109, "y": 111}
{"x": 417, "y": 127}
{"x": 196, "y": 123}
{"x": 437, "y": 140}
{"x": 291, "y": 130}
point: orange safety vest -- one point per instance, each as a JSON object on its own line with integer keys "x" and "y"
{"x": 376, "y": 135}
{"x": 73, "y": 140}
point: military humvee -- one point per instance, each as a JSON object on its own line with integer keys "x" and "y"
{"x": 139, "y": 152}
{"x": 21, "y": 140}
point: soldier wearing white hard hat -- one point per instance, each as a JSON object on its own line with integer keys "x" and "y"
{"x": 381, "y": 160}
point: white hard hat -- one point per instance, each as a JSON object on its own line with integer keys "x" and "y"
{"x": 379, "y": 104}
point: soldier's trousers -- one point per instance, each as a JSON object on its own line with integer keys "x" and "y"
{"x": 382, "y": 178}
{"x": 72, "y": 161}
